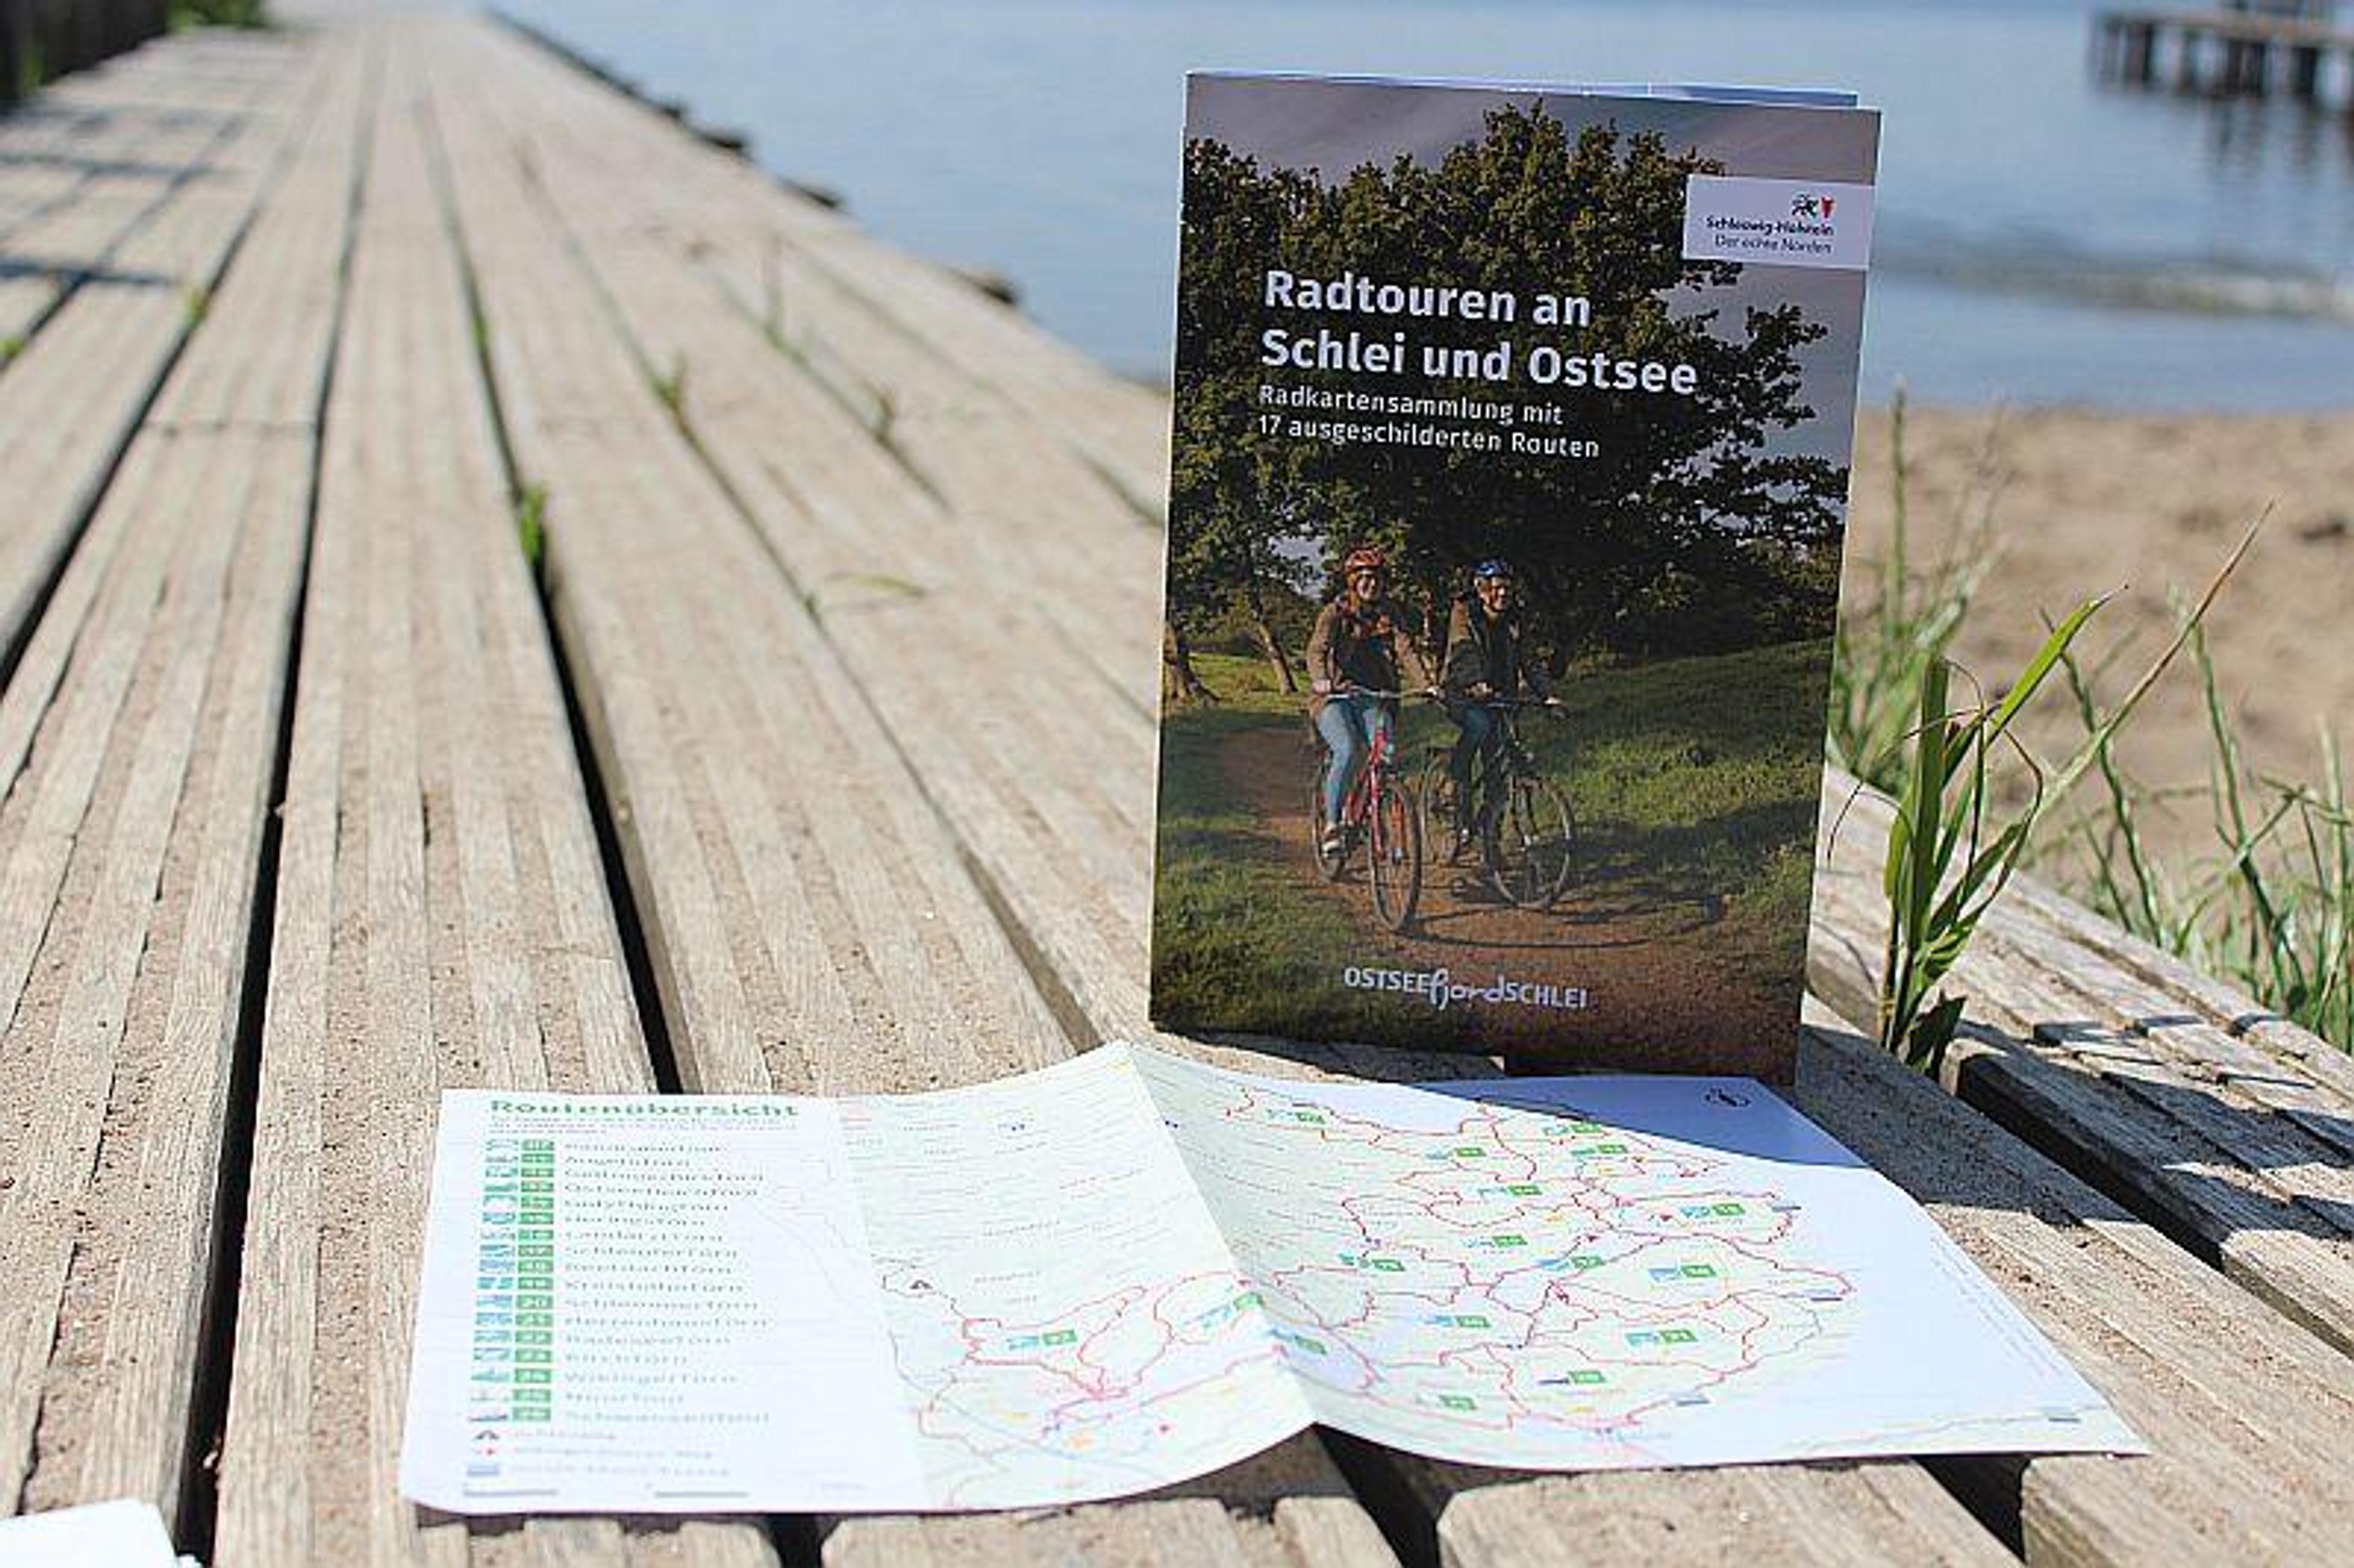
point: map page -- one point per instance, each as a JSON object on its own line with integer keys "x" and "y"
{"x": 1608, "y": 1272}
{"x": 1128, "y": 1269}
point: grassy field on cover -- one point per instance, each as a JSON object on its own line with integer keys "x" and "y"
{"x": 1694, "y": 783}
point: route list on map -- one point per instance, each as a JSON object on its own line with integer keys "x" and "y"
{"x": 1130, "y": 1269}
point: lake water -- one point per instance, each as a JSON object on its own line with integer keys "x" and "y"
{"x": 2041, "y": 237}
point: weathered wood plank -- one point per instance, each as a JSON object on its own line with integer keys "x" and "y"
{"x": 441, "y": 918}
{"x": 1786, "y": 1513}
{"x": 1049, "y": 789}
{"x": 141, "y": 827}
{"x": 122, "y": 170}
{"x": 789, "y": 857}
{"x": 838, "y": 290}
{"x": 137, "y": 756}
{"x": 69, "y": 401}
{"x": 2135, "y": 1084}
{"x": 1030, "y": 514}
{"x": 2243, "y": 1410}
{"x": 130, "y": 846}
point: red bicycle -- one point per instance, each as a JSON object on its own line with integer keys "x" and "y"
{"x": 1378, "y": 812}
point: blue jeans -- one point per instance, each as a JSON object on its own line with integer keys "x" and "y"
{"x": 1348, "y": 725}
{"x": 1478, "y": 723}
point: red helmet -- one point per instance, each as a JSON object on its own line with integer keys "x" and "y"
{"x": 1364, "y": 557}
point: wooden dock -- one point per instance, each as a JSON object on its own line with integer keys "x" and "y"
{"x": 2246, "y": 52}
{"x": 496, "y": 591}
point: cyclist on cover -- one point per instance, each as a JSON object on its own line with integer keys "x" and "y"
{"x": 1358, "y": 649}
{"x": 1488, "y": 658}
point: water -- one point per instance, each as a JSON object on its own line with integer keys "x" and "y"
{"x": 2041, "y": 237}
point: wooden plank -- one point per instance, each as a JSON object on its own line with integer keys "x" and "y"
{"x": 37, "y": 168}
{"x": 128, "y": 849}
{"x": 2240, "y": 1408}
{"x": 1050, "y": 802}
{"x": 130, "y": 164}
{"x": 843, "y": 292}
{"x": 788, "y": 854}
{"x": 69, "y": 402}
{"x": 137, "y": 761}
{"x": 1032, "y": 511}
{"x": 441, "y": 921}
{"x": 1855, "y": 1514}
{"x": 1055, "y": 805}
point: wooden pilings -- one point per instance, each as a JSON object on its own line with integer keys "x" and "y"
{"x": 2239, "y": 53}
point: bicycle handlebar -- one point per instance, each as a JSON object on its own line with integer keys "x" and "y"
{"x": 1441, "y": 696}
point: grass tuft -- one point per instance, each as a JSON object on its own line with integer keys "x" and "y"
{"x": 531, "y": 525}
{"x": 672, "y": 391}
{"x": 2270, "y": 906}
{"x": 185, "y": 14}
{"x": 1883, "y": 652}
{"x": 2270, "y": 909}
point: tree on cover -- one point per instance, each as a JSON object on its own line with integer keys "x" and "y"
{"x": 1686, "y": 534}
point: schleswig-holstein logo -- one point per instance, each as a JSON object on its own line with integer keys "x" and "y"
{"x": 1784, "y": 223}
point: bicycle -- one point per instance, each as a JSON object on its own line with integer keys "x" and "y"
{"x": 1378, "y": 811}
{"x": 1520, "y": 822}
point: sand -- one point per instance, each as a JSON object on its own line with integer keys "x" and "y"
{"x": 2075, "y": 503}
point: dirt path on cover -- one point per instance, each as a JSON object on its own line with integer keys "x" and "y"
{"x": 1645, "y": 961}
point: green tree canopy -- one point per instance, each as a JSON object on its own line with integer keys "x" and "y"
{"x": 1691, "y": 531}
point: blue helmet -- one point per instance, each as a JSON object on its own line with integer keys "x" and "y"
{"x": 1494, "y": 566}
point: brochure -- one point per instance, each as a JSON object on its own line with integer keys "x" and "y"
{"x": 1512, "y": 427}
{"x": 1130, "y": 1269}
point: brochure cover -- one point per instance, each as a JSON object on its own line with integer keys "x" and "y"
{"x": 1511, "y": 440}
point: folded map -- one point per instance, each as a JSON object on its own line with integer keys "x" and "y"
{"x": 1130, "y": 1269}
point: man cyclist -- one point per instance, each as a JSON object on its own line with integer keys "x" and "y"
{"x": 1488, "y": 658}
{"x": 1358, "y": 648}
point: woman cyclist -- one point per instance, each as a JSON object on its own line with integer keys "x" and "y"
{"x": 1357, "y": 650}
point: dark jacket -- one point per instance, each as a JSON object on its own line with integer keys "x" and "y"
{"x": 1366, "y": 649}
{"x": 1494, "y": 650}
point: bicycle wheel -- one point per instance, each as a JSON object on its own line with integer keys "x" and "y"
{"x": 1328, "y": 866}
{"x": 1393, "y": 857}
{"x": 1434, "y": 793}
{"x": 1533, "y": 844}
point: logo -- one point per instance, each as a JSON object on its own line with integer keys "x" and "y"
{"x": 1783, "y": 223}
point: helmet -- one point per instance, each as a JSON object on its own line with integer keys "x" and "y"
{"x": 1491, "y": 568}
{"x": 1364, "y": 557}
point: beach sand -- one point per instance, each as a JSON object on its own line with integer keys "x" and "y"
{"x": 2075, "y": 503}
